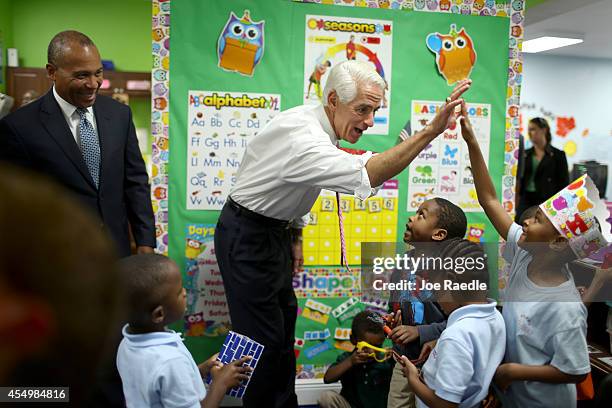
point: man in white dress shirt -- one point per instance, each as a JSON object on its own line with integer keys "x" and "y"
{"x": 258, "y": 240}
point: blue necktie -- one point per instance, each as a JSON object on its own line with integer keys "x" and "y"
{"x": 90, "y": 146}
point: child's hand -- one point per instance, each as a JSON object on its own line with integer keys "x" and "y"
{"x": 404, "y": 334}
{"x": 446, "y": 116}
{"x": 504, "y": 376}
{"x": 206, "y": 366}
{"x": 466, "y": 127}
{"x": 425, "y": 351}
{"x": 394, "y": 319}
{"x": 230, "y": 375}
{"x": 360, "y": 357}
{"x": 408, "y": 368}
{"x": 397, "y": 357}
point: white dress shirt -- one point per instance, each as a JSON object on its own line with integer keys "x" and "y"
{"x": 287, "y": 164}
{"x": 72, "y": 116}
{"x": 461, "y": 366}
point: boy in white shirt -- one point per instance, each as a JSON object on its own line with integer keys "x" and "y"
{"x": 460, "y": 368}
{"x": 156, "y": 368}
{"x": 546, "y": 350}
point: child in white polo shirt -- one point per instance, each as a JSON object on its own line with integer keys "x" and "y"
{"x": 156, "y": 368}
{"x": 461, "y": 366}
{"x": 546, "y": 322}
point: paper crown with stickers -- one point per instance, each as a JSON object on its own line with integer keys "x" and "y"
{"x": 580, "y": 215}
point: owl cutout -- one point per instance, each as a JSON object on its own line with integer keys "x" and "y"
{"x": 475, "y": 232}
{"x": 241, "y": 44}
{"x": 455, "y": 54}
{"x": 194, "y": 248}
{"x": 195, "y": 324}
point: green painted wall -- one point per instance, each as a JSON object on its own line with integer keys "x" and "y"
{"x": 6, "y": 36}
{"x": 120, "y": 28}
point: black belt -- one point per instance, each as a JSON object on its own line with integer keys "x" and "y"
{"x": 252, "y": 215}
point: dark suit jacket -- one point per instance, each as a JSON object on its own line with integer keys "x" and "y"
{"x": 37, "y": 137}
{"x": 551, "y": 175}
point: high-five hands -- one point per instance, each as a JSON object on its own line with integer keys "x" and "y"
{"x": 466, "y": 127}
{"x": 446, "y": 115}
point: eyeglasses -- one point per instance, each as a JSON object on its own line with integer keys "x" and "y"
{"x": 379, "y": 354}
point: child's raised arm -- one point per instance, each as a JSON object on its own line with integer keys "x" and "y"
{"x": 482, "y": 180}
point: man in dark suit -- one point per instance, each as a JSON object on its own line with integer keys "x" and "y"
{"x": 86, "y": 142}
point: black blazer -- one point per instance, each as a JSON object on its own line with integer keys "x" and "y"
{"x": 37, "y": 137}
{"x": 551, "y": 175}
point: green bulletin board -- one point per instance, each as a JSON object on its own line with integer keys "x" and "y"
{"x": 193, "y": 37}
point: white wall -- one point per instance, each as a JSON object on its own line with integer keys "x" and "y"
{"x": 572, "y": 87}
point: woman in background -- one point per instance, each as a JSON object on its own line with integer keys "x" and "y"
{"x": 545, "y": 168}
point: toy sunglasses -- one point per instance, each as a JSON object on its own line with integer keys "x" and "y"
{"x": 379, "y": 354}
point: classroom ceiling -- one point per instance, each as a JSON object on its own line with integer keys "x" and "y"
{"x": 590, "y": 19}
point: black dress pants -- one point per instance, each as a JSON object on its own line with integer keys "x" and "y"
{"x": 254, "y": 257}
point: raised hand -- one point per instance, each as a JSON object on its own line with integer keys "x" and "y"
{"x": 446, "y": 116}
{"x": 466, "y": 127}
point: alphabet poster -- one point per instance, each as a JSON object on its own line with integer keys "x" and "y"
{"x": 329, "y": 40}
{"x": 219, "y": 127}
{"x": 443, "y": 168}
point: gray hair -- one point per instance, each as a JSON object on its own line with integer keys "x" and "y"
{"x": 346, "y": 77}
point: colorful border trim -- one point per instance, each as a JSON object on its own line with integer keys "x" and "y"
{"x": 160, "y": 113}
